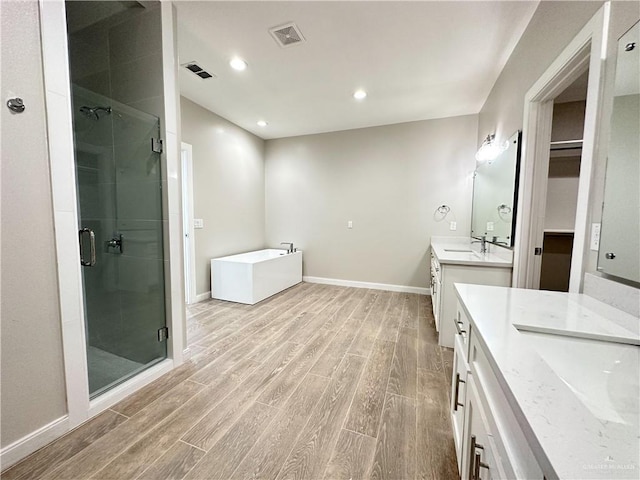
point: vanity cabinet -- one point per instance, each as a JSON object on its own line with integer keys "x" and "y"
{"x": 488, "y": 439}
{"x": 539, "y": 394}
{"x": 444, "y": 274}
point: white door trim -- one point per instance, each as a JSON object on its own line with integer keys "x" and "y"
{"x": 65, "y": 211}
{"x": 188, "y": 229}
{"x": 57, "y": 85}
{"x": 586, "y": 50}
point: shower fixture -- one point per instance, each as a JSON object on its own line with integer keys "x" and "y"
{"x": 94, "y": 112}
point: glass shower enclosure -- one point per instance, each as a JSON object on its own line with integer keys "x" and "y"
{"x": 120, "y": 205}
{"x": 119, "y": 183}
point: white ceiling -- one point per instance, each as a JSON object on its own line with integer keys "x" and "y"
{"x": 417, "y": 60}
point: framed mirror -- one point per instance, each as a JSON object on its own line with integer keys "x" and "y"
{"x": 619, "y": 252}
{"x": 495, "y": 191}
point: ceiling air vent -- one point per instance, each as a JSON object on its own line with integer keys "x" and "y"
{"x": 287, "y": 35}
{"x": 198, "y": 70}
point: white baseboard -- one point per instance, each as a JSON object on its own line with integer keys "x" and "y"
{"x": 28, "y": 444}
{"x": 202, "y": 297}
{"x": 25, "y": 446}
{"x": 374, "y": 286}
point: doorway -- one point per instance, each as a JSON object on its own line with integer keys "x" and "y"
{"x": 186, "y": 159}
{"x": 565, "y": 152}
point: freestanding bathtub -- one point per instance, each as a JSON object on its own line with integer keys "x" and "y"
{"x": 253, "y": 276}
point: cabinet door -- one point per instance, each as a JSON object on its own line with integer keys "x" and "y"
{"x": 479, "y": 461}
{"x": 458, "y": 394}
{"x": 437, "y": 297}
{"x": 436, "y": 294}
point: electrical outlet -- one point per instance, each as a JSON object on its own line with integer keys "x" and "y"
{"x": 453, "y": 226}
{"x": 349, "y": 224}
{"x": 489, "y": 226}
{"x": 595, "y": 236}
{"x": 198, "y": 223}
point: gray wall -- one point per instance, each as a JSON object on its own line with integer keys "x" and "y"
{"x": 228, "y": 185}
{"x": 552, "y": 27}
{"x": 564, "y": 167}
{"x": 387, "y": 180}
{"x": 32, "y": 381}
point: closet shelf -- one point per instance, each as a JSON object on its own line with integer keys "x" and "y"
{"x": 559, "y": 230}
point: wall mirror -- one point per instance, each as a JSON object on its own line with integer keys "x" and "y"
{"x": 619, "y": 252}
{"x": 495, "y": 192}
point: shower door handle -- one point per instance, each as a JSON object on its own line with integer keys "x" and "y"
{"x": 92, "y": 247}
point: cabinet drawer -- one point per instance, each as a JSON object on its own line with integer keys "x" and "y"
{"x": 463, "y": 328}
{"x": 435, "y": 267}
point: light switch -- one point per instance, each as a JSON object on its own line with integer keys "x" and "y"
{"x": 453, "y": 226}
{"x": 489, "y": 226}
{"x": 349, "y": 224}
{"x": 595, "y": 236}
{"x": 198, "y": 223}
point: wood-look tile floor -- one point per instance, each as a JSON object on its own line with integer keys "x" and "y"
{"x": 318, "y": 382}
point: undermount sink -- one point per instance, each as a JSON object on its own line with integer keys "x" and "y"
{"x": 608, "y": 337}
{"x": 601, "y": 382}
{"x": 459, "y": 250}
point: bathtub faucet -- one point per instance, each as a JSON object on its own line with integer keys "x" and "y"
{"x": 290, "y": 249}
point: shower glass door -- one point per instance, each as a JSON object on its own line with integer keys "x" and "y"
{"x": 119, "y": 184}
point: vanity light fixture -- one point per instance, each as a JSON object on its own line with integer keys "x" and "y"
{"x": 360, "y": 94}
{"x": 261, "y": 123}
{"x": 490, "y": 149}
{"x": 238, "y": 64}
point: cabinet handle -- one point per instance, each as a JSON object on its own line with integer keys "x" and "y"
{"x": 457, "y": 404}
{"x": 474, "y": 468}
{"x": 478, "y": 464}
{"x": 458, "y": 329}
{"x": 472, "y": 460}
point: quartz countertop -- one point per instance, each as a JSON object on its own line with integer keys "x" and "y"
{"x": 576, "y": 399}
{"x": 461, "y": 251}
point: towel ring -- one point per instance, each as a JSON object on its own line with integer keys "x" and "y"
{"x": 503, "y": 208}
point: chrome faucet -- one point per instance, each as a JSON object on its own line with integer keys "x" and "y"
{"x": 498, "y": 242}
{"x": 483, "y": 244}
{"x": 290, "y": 248}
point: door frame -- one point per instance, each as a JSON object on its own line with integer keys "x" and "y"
{"x": 57, "y": 91}
{"x": 188, "y": 231}
{"x": 587, "y": 50}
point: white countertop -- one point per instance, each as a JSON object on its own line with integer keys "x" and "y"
{"x": 460, "y": 251}
{"x": 577, "y": 400}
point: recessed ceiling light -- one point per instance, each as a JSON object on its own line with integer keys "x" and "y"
{"x": 238, "y": 64}
{"x": 359, "y": 94}
{"x": 262, "y": 123}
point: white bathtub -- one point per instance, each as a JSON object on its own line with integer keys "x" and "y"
{"x": 253, "y": 276}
